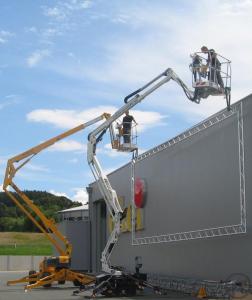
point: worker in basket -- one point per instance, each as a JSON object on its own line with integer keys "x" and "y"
{"x": 196, "y": 67}
{"x": 214, "y": 65}
{"x": 127, "y": 125}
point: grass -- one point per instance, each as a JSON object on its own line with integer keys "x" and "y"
{"x": 19, "y": 243}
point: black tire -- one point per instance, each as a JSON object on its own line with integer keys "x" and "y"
{"x": 76, "y": 282}
{"x": 43, "y": 276}
{"x": 61, "y": 281}
{"x": 31, "y": 272}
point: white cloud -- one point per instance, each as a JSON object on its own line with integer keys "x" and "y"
{"x": 63, "y": 18}
{"x": 76, "y": 5}
{"x": 60, "y": 194}
{"x": 64, "y": 10}
{"x": 234, "y": 8}
{"x": 69, "y": 145}
{"x": 70, "y": 118}
{"x": 134, "y": 60}
{"x": 80, "y": 195}
{"x": 37, "y": 57}
{"x": 54, "y": 12}
{"x": 172, "y": 99}
{"x": 147, "y": 119}
{"x": 4, "y": 36}
{"x": 67, "y": 118}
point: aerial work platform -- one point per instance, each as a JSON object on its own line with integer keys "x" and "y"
{"x": 211, "y": 75}
{"x": 207, "y": 82}
{"x": 118, "y": 139}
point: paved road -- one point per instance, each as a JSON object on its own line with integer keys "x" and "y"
{"x": 16, "y": 292}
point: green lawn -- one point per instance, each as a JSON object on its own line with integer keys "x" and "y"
{"x": 25, "y": 250}
{"x": 18, "y": 243}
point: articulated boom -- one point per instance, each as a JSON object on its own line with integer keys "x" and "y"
{"x": 95, "y": 137}
{"x": 112, "y": 203}
{"x": 53, "y": 268}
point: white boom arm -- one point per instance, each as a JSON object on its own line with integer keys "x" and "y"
{"x": 109, "y": 194}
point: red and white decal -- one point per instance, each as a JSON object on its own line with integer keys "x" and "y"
{"x": 140, "y": 193}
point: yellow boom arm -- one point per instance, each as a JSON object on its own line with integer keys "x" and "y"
{"x": 44, "y": 224}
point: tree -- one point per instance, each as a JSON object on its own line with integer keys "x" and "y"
{"x": 13, "y": 219}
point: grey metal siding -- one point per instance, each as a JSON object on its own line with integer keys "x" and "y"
{"x": 78, "y": 233}
{"x": 193, "y": 185}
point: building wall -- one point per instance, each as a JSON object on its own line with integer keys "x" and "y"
{"x": 98, "y": 232}
{"x": 78, "y": 234}
{"x": 20, "y": 263}
{"x": 194, "y": 184}
{"x": 74, "y": 215}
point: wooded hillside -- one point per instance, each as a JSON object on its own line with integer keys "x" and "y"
{"x": 13, "y": 219}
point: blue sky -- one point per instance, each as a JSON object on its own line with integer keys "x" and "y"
{"x": 63, "y": 63}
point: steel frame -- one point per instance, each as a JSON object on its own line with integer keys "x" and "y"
{"x": 240, "y": 228}
{"x": 215, "y": 289}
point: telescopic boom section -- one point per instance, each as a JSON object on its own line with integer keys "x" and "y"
{"x": 109, "y": 194}
{"x": 45, "y": 225}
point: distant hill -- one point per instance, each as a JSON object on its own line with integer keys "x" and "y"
{"x": 13, "y": 219}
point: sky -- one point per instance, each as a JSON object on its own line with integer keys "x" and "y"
{"x": 64, "y": 63}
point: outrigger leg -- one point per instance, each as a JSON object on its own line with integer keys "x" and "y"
{"x": 124, "y": 285}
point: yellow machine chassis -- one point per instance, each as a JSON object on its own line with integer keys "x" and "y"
{"x": 37, "y": 280}
{"x": 46, "y": 276}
